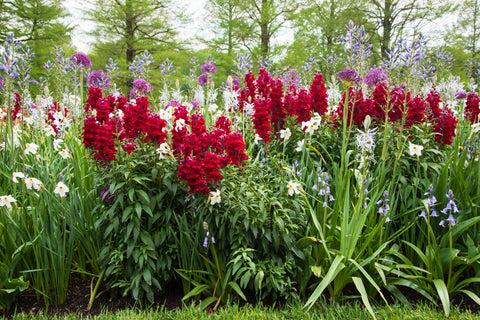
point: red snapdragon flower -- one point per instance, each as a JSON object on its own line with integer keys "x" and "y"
{"x": 472, "y": 109}
{"x": 261, "y": 119}
{"x": 319, "y": 98}
{"x": 445, "y": 127}
{"x": 416, "y": 111}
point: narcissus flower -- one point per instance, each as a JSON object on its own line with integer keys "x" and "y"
{"x": 17, "y": 175}
{"x": 215, "y": 197}
{"x": 61, "y": 189}
{"x": 33, "y": 183}
{"x": 7, "y": 201}
{"x": 414, "y": 149}
{"x": 285, "y": 134}
{"x": 30, "y": 148}
{"x": 293, "y": 187}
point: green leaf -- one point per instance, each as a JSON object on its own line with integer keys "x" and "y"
{"x": 144, "y": 195}
{"x": 138, "y": 209}
{"x": 196, "y": 291}
{"x": 332, "y": 273}
{"x": 237, "y": 289}
{"x": 147, "y": 276}
{"x": 130, "y": 194}
{"x": 443, "y": 295}
{"x": 363, "y": 293}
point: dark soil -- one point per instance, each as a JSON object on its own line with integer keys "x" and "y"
{"x": 78, "y": 297}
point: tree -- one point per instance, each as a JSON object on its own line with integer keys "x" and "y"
{"x": 266, "y": 18}
{"x": 469, "y": 23}
{"x": 136, "y": 25}
{"x": 232, "y": 32}
{"x": 37, "y": 24}
{"x": 318, "y": 28}
{"x": 393, "y": 19}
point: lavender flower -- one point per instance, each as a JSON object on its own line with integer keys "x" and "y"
{"x": 81, "y": 60}
{"x": 1, "y": 83}
{"x": 348, "y": 76}
{"x": 112, "y": 66}
{"x": 99, "y": 79}
{"x": 375, "y": 76}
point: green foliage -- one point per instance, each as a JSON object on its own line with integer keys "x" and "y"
{"x": 139, "y": 252}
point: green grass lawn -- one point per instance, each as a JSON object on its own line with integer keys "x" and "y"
{"x": 296, "y": 311}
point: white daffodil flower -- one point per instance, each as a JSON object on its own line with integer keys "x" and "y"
{"x": 17, "y": 175}
{"x": 180, "y": 124}
{"x": 64, "y": 154}
{"x": 7, "y": 201}
{"x": 215, "y": 197}
{"x": 33, "y": 183}
{"x": 30, "y": 148}
{"x": 415, "y": 150}
{"x": 61, "y": 189}
{"x": 285, "y": 134}
{"x": 56, "y": 144}
{"x": 257, "y": 138}
{"x": 300, "y": 145}
{"x": 293, "y": 187}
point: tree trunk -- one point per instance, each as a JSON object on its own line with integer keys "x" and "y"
{"x": 387, "y": 28}
{"x": 264, "y": 36}
{"x": 130, "y": 31}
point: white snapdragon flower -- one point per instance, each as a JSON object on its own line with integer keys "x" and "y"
{"x": 285, "y": 134}
{"x": 16, "y": 175}
{"x": 30, "y": 148}
{"x": 61, "y": 189}
{"x": 293, "y": 188}
{"x": 7, "y": 201}
{"x": 215, "y": 197}
{"x": 33, "y": 183}
{"x": 414, "y": 149}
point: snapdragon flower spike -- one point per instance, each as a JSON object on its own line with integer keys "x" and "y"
{"x": 384, "y": 206}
